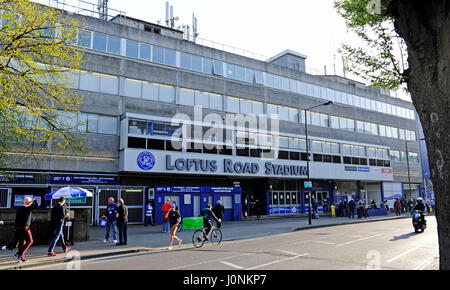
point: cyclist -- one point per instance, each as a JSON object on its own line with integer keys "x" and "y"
{"x": 208, "y": 215}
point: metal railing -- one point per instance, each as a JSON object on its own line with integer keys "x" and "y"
{"x": 83, "y": 8}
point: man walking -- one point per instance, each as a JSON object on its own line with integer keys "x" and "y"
{"x": 149, "y": 214}
{"x": 397, "y": 206}
{"x": 57, "y": 217}
{"x": 23, "y": 222}
{"x": 174, "y": 220}
{"x": 345, "y": 205}
{"x": 351, "y": 208}
{"x": 122, "y": 223}
{"x": 111, "y": 219}
{"x": 219, "y": 211}
{"x": 166, "y": 209}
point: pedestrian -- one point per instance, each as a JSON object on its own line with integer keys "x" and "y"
{"x": 245, "y": 208}
{"x": 111, "y": 219}
{"x": 166, "y": 209}
{"x": 373, "y": 204}
{"x": 325, "y": 205}
{"x": 397, "y": 207}
{"x": 257, "y": 209}
{"x": 219, "y": 211}
{"x": 410, "y": 204}
{"x": 149, "y": 214}
{"x": 345, "y": 208}
{"x": 403, "y": 204}
{"x": 386, "y": 204}
{"x": 175, "y": 203}
{"x": 432, "y": 204}
{"x": 358, "y": 208}
{"x": 314, "y": 208}
{"x": 174, "y": 220}
{"x": 366, "y": 209}
{"x": 57, "y": 217}
{"x": 351, "y": 208}
{"x": 122, "y": 223}
{"x": 23, "y": 221}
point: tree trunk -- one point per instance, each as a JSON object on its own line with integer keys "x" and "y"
{"x": 425, "y": 27}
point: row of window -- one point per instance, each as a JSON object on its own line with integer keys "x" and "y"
{"x": 163, "y": 93}
{"x": 138, "y": 50}
{"x": 400, "y": 156}
{"x": 87, "y": 123}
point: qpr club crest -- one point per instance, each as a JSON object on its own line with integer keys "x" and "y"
{"x": 146, "y": 160}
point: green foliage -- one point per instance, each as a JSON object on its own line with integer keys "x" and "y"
{"x": 36, "y": 52}
{"x": 382, "y": 60}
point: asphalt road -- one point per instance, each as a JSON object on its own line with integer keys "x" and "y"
{"x": 376, "y": 245}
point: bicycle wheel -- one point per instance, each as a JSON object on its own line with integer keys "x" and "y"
{"x": 216, "y": 236}
{"x": 197, "y": 239}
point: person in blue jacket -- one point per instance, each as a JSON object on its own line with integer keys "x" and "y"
{"x": 149, "y": 214}
{"x": 111, "y": 219}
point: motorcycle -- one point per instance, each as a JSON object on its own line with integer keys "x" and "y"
{"x": 418, "y": 220}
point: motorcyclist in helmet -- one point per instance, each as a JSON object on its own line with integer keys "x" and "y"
{"x": 420, "y": 205}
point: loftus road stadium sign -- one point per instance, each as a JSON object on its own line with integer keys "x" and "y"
{"x": 230, "y": 166}
{"x": 164, "y": 162}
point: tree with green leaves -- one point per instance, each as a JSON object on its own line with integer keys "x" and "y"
{"x": 36, "y": 54}
{"x": 408, "y": 45}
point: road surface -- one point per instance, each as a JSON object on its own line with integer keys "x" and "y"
{"x": 376, "y": 245}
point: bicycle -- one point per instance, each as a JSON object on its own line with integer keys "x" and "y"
{"x": 215, "y": 236}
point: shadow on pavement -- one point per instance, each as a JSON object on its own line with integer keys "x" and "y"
{"x": 402, "y": 237}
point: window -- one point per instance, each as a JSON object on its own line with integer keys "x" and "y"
{"x": 246, "y": 106}
{"x": 207, "y": 66}
{"x": 132, "y": 88}
{"x": 166, "y": 93}
{"x": 240, "y": 73}
{"x": 150, "y": 91}
{"x": 231, "y": 71}
{"x": 145, "y": 50}
{"x": 197, "y": 63}
{"x": 187, "y": 97}
{"x": 257, "y": 107}
{"x": 215, "y": 102}
{"x": 185, "y": 60}
{"x": 324, "y": 120}
{"x": 272, "y": 110}
{"x": 269, "y": 80}
{"x": 89, "y": 82}
{"x": 114, "y": 44}
{"x": 283, "y": 113}
{"x": 158, "y": 54}
{"x": 218, "y": 68}
{"x": 293, "y": 115}
{"x": 132, "y": 49}
{"x": 233, "y": 105}
{"x": 334, "y": 122}
{"x": 109, "y": 84}
{"x": 170, "y": 57}
{"x": 382, "y": 130}
{"x": 99, "y": 41}
{"x": 201, "y": 99}
{"x": 259, "y": 77}
{"x": 84, "y": 39}
{"x": 107, "y": 125}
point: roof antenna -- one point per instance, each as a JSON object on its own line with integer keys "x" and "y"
{"x": 102, "y": 8}
{"x": 194, "y": 27}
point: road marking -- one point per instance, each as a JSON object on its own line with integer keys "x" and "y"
{"x": 355, "y": 236}
{"x": 354, "y": 241}
{"x": 209, "y": 261}
{"x": 277, "y": 261}
{"x": 231, "y": 265}
{"x": 401, "y": 255}
{"x": 324, "y": 242}
{"x": 426, "y": 263}
{"x": 287, "y": 252}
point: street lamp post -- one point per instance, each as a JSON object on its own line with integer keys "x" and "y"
{"x": 407, "y": 161}
{"x": 307, "y": 155}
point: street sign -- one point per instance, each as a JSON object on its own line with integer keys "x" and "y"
{"x": 77, "y": 200}
{"x": 307, "y": 184}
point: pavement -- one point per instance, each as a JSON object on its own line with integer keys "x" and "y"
{"x": 151, "y": 239}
